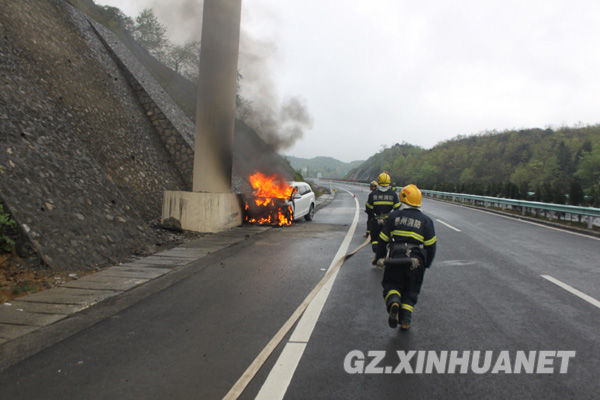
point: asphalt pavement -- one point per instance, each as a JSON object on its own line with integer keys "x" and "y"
{"x": 28, "y": 324}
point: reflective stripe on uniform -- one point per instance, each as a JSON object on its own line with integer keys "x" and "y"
{"x": 408, "y": 307}
{"x": 409, "y": 234}
{"x": 384, "y": 237}
{"x": 391, "y": 292}
{"x": 383, "y": 203}
{"x": 430, "y": 241}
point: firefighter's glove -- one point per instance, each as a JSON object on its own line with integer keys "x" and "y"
{"x": 381, "y": 263}
{"x": 415, "y": 263}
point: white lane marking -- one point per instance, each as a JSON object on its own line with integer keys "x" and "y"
{"x": 282, "y": 373}
{"x": 571, "y": 289}
{"x": 258, "y": 362}
{"x": 516, "y": 218}
{"x": 448, "y": 225}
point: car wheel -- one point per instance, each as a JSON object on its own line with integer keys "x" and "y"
{"x": 311, "y": 213}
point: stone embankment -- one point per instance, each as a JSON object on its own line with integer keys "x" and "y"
{"x": 88, "y": 140}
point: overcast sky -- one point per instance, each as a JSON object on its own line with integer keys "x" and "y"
{"x": 375, "y": 73}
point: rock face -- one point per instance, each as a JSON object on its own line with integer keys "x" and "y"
{"x": 88, "y": 140}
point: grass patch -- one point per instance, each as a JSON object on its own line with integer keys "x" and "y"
{"x": 24, "y": 289}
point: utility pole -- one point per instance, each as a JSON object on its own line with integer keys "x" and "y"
{"x": 215, "y": 113}
{"x": 211, "y": 206}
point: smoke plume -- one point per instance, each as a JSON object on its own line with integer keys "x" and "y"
{"x": 279, "y": 122}
{"x": 182, "y": 18}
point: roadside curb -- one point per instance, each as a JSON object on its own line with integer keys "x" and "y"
{"x": 28, "y": 314}
{"x": 324, "y": 200}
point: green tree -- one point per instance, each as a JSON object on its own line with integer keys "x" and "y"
{"x": 151, "y": 34}
{"x": 468, "y": 175}
{"x": 576, "y": 196}
{"x": 565, "y": 164}
{"x": 523, "y": 175}
{"x": 116, "y": 19}
{"x": 589, "y": 168}
{"x": 185, "y": 60}
{"x": 558, "y": 194}
{"x": 594, "y": 196}
{"x": 551, "y": 170}
{"x": 511, "y": 191}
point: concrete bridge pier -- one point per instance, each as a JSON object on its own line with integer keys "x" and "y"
{"x": 211, "y": 207}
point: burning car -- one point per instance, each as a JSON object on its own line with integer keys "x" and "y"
{"x": 277, "y": 202}
{"x": 302, "y": 201}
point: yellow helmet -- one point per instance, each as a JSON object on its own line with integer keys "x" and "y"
{"x": 373, "y": 185}
{"x": 411, "y": 195}
{"x": 384, "y": 179}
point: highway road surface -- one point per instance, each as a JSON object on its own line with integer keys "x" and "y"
{"x": 508, "y": 310}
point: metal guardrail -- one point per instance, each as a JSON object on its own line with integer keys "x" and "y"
{"x": 590, "y": 213}
{"x": 503, "y": 203}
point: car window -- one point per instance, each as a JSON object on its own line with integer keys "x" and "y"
{"x": 301, "y": 188}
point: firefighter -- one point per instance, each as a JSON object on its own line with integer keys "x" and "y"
{"x": 380, "y": 203}
{"x": 407, "y": 233}
{"x": 372, "y": 187}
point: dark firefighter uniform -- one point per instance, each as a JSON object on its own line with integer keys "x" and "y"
{"x": 372, "y": 187}
{"x": 380, "y": 203}
{"x": 409, "y": 233}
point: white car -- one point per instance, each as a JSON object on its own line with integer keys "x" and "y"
{"x": 302, "y": 201}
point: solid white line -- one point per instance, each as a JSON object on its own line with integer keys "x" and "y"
{"x": 448, "y": 225}
{"x": 282, "y": 373}
{"x": 258, "y": 362}
{"x": 571, "y": 289}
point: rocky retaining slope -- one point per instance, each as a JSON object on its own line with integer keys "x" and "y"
{"x": 84, "y": 165}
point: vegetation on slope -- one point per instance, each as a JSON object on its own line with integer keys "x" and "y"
{"x": 556, "y": 166}
{"x": 327, "y": 167}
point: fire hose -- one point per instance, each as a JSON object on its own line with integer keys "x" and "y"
{"x": 241, "y": 384}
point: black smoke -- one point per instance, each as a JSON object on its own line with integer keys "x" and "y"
{"x": 279, "y": 122}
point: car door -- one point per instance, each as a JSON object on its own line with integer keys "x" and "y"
{"x": 300, "y": 200}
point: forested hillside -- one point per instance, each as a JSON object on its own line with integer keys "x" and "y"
{"x": 326, "y": 166}
{"x": 559, "y": 166}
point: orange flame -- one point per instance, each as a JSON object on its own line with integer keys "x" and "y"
{"x": 268, "y": 188}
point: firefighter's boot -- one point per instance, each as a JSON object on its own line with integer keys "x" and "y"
{"x": 393, "y": 316}
{"x": 405, "y": 316}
